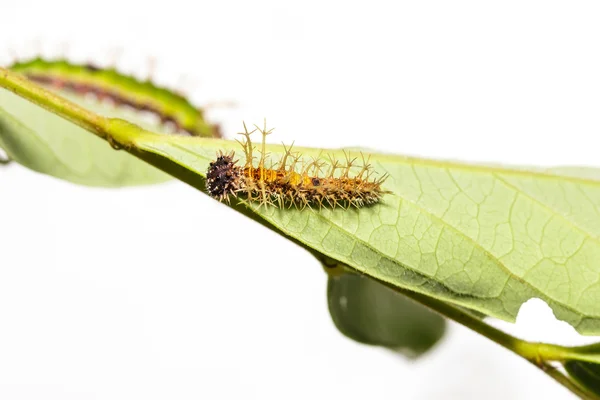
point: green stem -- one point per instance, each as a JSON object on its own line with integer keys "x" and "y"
{"x": 538, "y": 354}
{"x": 52, "y": 102}
{"x": 117, "y": 132}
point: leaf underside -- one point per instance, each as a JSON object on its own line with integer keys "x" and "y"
{"x": 587, "y": 374}
{"x": 486, "y": 238}
{"x": 46, "y": 143}
{"x": 372, "y": 313}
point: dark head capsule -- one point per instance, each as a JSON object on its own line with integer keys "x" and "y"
{"x": 222, "y": 177}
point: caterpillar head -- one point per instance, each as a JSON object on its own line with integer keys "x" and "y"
{"x": 223, "y": 176}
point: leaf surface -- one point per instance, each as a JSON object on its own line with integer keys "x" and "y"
{"x": 486, "y": 238}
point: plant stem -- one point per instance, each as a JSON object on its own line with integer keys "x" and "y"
{"x": 52, "y": 102}
{"x": 567, "y": 382}
{"x": 117, "y": 132}
{"x": 538, "y": 354}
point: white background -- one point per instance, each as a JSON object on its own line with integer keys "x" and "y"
{"x": 162, "y": 293}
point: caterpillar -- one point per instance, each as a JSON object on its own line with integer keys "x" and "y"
{"x": 292, "y": 182}
{"x": 121, "y": 89}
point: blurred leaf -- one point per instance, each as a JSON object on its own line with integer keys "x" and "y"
{"x": 587, "y": 374}
{"x": 371, "y": 313}
{"x": 45, "y": 142}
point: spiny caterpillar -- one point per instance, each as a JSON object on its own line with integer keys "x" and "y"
{"x": 122, "y": 90}
{"x": 282, "y": 185}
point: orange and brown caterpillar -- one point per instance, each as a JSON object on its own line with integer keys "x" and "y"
{"x": 283, "y": 184}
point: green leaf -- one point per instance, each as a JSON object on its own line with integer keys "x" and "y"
{"x": 586, "y": 374}
{"x": 44, "y": 142}
{"x": 486, "y": 238}
{"x": 371, "y": 313}
{"x": 482, "y": 237}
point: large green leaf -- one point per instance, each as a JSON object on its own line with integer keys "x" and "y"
{"x": 483, "y": 237}
{"x": 486, "y": 238}
{"x": 46, "y": 143}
